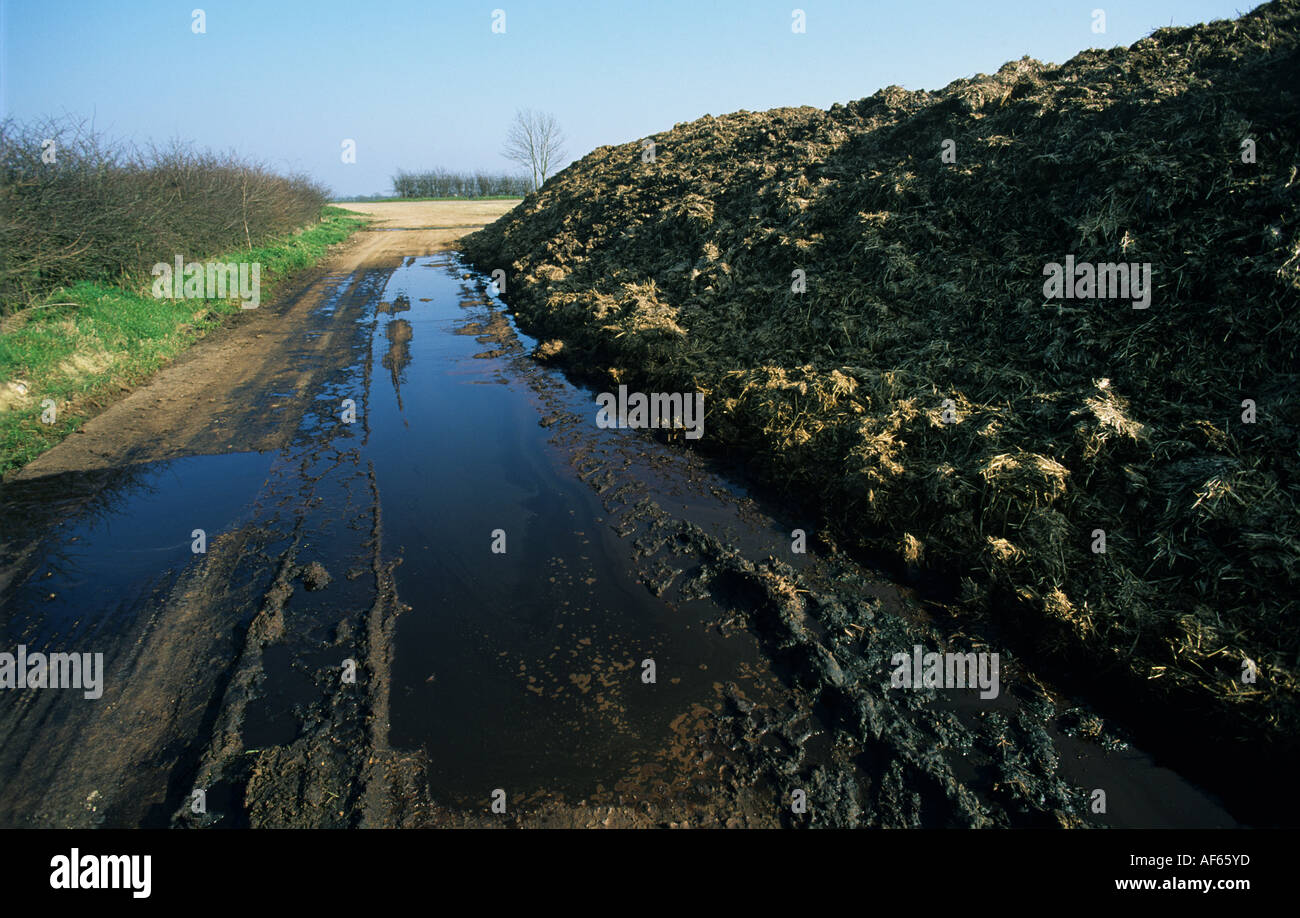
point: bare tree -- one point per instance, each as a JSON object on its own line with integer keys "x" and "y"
{"x": 535, "y": 141}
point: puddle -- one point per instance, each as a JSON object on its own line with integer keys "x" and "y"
{"x": 127, "y": 545}
{"x": 520, "y": 669}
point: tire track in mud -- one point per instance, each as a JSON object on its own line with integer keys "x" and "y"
{"x": 335, "y": 771}
{"x": 333, "y": 768}
{"x": 229, "y": 677}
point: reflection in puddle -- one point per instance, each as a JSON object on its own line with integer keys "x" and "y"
{"x": 399, "y": 333}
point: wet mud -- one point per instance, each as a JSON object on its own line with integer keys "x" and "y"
{"x": 444, "y": 587}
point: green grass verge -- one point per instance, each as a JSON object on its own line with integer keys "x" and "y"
{"x": 89, "y": 341}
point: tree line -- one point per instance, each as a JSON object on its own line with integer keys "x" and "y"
{"x": 444, "y": 183}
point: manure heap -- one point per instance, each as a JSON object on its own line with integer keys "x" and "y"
{"x": 923, "y": 316}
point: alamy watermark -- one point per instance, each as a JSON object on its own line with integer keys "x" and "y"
{"x": 83, "y": 671}
{"x": 103, "y": 871}
{"x": 1085, "y": 281}
{"x": 674, "y": 410}
{"x": 213, "y": 280}
{"x": 919, "y": 670}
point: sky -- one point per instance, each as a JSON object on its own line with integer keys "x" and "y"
{"x": 419, "y": 85}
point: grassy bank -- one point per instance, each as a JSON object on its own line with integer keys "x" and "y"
{"x": 88, "y": 341}
{"x": 860, "y": 294}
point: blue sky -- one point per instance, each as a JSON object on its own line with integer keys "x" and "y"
{"x": 424, "y": 84}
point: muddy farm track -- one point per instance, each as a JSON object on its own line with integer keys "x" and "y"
{"x": 429, "y": 583}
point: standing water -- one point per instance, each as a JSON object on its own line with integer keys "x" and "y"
{"x": 525, "y": 658}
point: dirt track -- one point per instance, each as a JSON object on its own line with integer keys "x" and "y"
{"x": 222, "y": 672}
{"x": 240, "y": 390}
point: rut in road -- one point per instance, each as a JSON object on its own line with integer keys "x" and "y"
{"x": 366, "y": 548}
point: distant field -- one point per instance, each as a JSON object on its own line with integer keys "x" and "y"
{"x": 453, "y": 213}
{"x": 486, "y": 197}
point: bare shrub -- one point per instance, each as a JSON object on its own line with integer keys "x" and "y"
{"x": 104, "y": 211}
